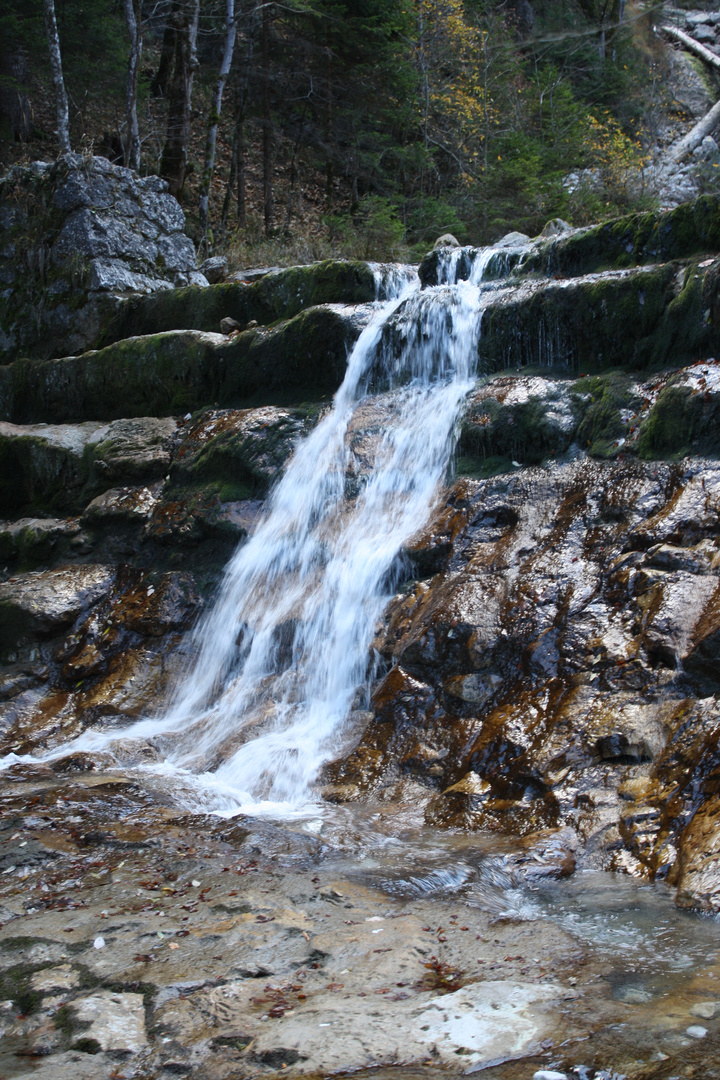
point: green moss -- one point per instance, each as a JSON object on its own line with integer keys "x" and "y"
{"x": 480, "y": 469}
{"x": 233, "y": 491}
{"x": 691, "y": 229}
{"x": 599, "y": 404}
{"x": 180, "y": 371}
{"x": 524, "y": 432}
{"x": 87, "y": 1046}
{"x": 15, "y": 986}
{"x": 277, "y": 296}
{"x": 680, "y": 421}
{"x": 584, "y": 325}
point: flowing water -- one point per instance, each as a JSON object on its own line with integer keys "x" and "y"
{"x": 283, "y": 658}
{"x": 283, "y": 667}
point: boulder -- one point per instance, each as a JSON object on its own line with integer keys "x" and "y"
{"x": 75, "y": 237}
{"x": 41, "y": 603}
{"x": 447, "y": 240}
{"x": 215, "y": 269}
{"x": 62, "y": 465}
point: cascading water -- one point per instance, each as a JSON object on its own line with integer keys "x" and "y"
{"x": 284, "y": 653}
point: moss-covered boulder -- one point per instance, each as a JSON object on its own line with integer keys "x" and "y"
{"x": 238, "y": 449}
{"x": 41, "y": 603}
{"x": 691, "y": 229}
{"x": 684, "y": 419}
{"x": 631, "y": 319}
{"x": 515, "y": 419}
{"x": 279, "y": 295}
{"x": 183, "y": 370}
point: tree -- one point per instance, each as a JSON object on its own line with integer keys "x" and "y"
{"x": 214, "y": 118}
{"x": 267, "y": 128}
{"x": 61, "y": 101}
{"x": 173, "y": 165}
{"x": 132, "y": 137}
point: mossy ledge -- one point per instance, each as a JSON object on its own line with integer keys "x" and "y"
{"x": 182, "y": 370}
{"x": 691, "y": 229}
{"x": 634, "y": 320}
{"x": 279, "y": 295}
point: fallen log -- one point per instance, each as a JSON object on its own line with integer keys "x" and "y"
{"x": 695, "y": 135}
{"x": 694, "y": 46}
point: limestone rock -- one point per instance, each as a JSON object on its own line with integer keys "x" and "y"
{"x": 41, "y": 602}
{"x": 215, "y": 269}
{"x": 122, "y": 504}
{"x": 698, "y": 884}
{"x": 114, "y": 1020}
{"x": 447, "y": 240}
{"x": 110, "y": 234}
{"x": 58, "y": 465}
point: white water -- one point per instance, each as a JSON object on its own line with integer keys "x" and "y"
{"x": 284, "y": 655}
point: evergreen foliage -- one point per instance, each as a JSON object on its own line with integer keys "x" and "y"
{"x": 393, "y": 120}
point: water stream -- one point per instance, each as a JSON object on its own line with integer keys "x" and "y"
{"x": 283, "y": 657}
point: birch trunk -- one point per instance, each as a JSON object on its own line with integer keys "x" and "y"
{"x": 214, "y": 119}
{"x": 267, "y": 123}
{"x": 693, "y": 45}
{"x": 132, "y": 138}
{"x": 175, "y": 154}
{"x": 695, "y": 136}
{"x": 61, "y": 101}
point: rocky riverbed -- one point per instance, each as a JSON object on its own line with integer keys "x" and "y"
{"x": 513, "y": 860}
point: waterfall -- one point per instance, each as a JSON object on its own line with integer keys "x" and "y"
{"x": 283, "y": 658}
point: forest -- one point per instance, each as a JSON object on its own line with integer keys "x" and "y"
{"x": 305, "y": 128}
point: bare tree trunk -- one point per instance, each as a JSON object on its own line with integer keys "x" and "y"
{"x": 241, "y": 177}
{"x": 61, "y": 101}
{"x": 230, "y": 187}
{"x": 329, "y": 177}
{"x": 132, "y": 138}
{"x": 267, "y": 123}
{"x": 211, "y": 140}
{"x": 693, "y": 45}
{"x": 160, "y": 85}
{"x": 175, "y": 154}
{"x": 695, "y": 136}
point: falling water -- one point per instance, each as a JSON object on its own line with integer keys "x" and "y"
{"x": 283, "y": 657}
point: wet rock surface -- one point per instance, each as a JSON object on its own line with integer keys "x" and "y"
{"x": 541, "y": 734}
{"x": 143, "y": 941}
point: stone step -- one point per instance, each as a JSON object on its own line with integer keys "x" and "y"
{"x": 649, "y": 317}
{"x": 692, "y": 229}
{"x": 182, "y": 370}
{"x": 166, "y": 478}
{"x": 277, "y": 296}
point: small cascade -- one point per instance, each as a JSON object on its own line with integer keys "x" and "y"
{"x": 283, "y": 657}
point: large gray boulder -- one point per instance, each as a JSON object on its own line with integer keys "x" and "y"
{"x": 76, "y": 237}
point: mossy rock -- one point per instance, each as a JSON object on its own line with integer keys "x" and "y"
{"x": 241, "y": 451}
{"x": 279, "y": 295}
{"x": 586, "y": 325}
{"x": 681, "y": 421}
{"x": 514, "y": 419}
{"x": 605, "y": 406}
{"x": 180, "y": 371}
{"x": 691, "y": 229}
